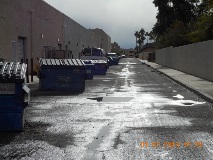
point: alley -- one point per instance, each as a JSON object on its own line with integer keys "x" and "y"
{"x": 132, "y": 112}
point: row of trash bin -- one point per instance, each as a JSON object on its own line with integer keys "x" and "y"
{"x": 68, "y": 74}
{"x": 54, "y": 75}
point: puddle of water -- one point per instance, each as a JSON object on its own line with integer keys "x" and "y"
{"x": 187, "y": 103}
{"x": 111, "y": 113}
{"x": 126, "y": 107}
{"x": 112, "y": 99}
{"x": 95, "y": 144}
{"x": 179, "y": 96}
{"x": 98, "y": 99}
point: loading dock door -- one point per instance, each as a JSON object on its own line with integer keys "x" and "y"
{"x": 21, "y": 47}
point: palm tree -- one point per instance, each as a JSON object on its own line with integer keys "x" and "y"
{"x": 142, "y": 37}
{"x": 137, "y": 36}
{"x": 147, "y": 36}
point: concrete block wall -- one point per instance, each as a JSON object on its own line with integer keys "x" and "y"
{"x": 195, "y": 59}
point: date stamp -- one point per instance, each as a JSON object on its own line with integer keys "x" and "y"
{"x": 171, "y": 145}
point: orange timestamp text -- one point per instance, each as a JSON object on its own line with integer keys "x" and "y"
{"x": 170, "y": 145}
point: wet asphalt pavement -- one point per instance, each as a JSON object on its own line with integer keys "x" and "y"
{"x": 131, "y": 113}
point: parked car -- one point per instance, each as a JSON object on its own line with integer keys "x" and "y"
{"x": 123, "y": 56}
{"x": 114, "y": 57}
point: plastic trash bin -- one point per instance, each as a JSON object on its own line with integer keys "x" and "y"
{"x": 89, "y": 69}
{"x": 12, "y": 96}
{"x": 100, "y": 67}
{"x": 62, "y": 75}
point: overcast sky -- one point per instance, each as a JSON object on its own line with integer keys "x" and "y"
{"x": 118, "y": 18}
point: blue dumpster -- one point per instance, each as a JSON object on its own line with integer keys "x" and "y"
{"x": 12, "y": 96}
{"x": 100, "y": 67}
{"x": 62, "y": 75}
{"x": 89, "y": 69}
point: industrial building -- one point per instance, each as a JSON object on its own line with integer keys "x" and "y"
{"x": 130, "y": 53}
{"x": 30, "y": 28}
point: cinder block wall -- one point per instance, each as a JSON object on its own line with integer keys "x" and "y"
{"x": 195, "y": 59}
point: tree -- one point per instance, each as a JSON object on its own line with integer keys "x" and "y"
{"x": 183, "y": 11}
{"x": 203, "y": 29}
{"x": 140, "y": 37}
{"x": 165, "y": 16}
{"x": 147, "y": 36}
{"x": 152, "y": 36}
{"x": 175, "y": 35}
{"x": 172, "y": 13}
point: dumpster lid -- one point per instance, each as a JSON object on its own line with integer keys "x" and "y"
{"x": 61, "y": 62}
{"x": 87, "y": 61}
{"x": 12, "y": 70}
{"x": 98, "y": 61}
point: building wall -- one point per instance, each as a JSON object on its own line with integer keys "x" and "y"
{"x": 195, "y": 59}
{"x": 143, "y": 55}
{"x": 128, "y": 52}
{"x": 101, "y": 39}
{"x": 35, "y": 21}
{"x": 73, "y": 36}
{"x": 40, "y": 24}
{"x": 109, "y": 47}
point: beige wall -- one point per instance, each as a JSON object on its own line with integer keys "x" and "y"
{"x": 101, "y": 39}
{"x": 76, "y": 36}
{"x": 29, "y": 19}
{"x": 195, "y": 59}
{"x": 42, "y": 25}
{"x": 143, "y": 55}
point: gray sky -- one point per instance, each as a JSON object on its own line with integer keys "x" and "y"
{"x": 118, "y": 18}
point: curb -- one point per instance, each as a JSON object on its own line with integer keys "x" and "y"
{"x": 201, "y": 94}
